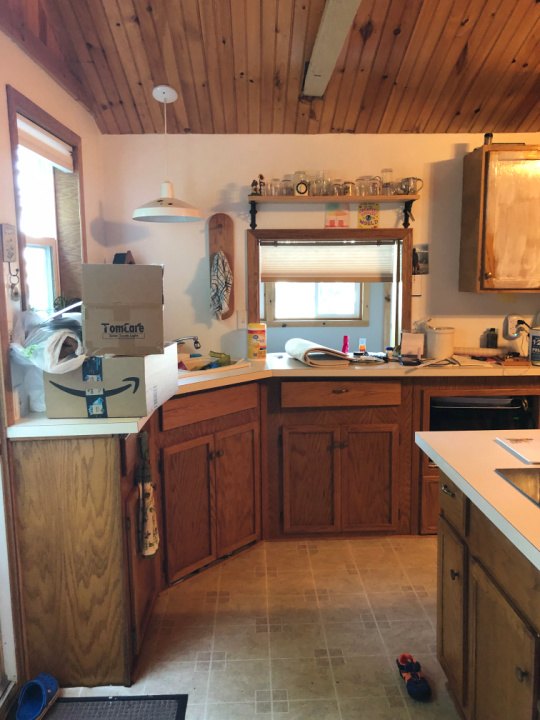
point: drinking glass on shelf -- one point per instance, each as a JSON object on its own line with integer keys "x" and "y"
{"x": 336, "y": 186}
{"x": 275, "y": 187}
{"x": 317, "y": 184}
{"x": 287, "y": 185}
{"x": 349, "y": 188}
{"x": 387, "y": 179}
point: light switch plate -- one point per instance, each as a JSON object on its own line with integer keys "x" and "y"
{"x": 8, "y": 236}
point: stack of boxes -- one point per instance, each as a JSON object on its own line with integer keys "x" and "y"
{"x": 128, "y": 372}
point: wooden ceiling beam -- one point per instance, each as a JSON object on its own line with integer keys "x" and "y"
{"x": 335, "y": 28}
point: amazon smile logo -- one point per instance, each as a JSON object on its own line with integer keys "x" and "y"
{"x": 132, "y": 382}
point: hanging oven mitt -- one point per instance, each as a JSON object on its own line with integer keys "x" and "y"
{"x": 221, "y": 280}
{"x": 148, "y": 531}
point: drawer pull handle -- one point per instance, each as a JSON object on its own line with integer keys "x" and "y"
{"x": 454, "y": 574}
{"x": 220, "y": 453}
{"x": 521, "y": 674}
{"x": 446, "y": 490}
{"x": 340, "y": 391}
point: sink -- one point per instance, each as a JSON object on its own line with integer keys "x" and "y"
{"x": 526, "y": 480}
{"x": 235, "y": 365}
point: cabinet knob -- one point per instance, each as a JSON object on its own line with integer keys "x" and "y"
{"x": 446, "y": 490}
{"x": 521, "y": 674}
{"x": 340, "y": 391}
{"x": 213, "y": 454}
{"x": 488, "y": 275}
{"x": 454, "y": 574}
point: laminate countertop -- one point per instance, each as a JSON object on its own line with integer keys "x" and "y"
{"x": 276, "y": 365}
{"x": 470, "y": 459}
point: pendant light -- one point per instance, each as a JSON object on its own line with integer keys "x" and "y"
{"x": 167, "y": 208}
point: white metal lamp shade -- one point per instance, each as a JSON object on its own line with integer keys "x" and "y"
{"x": 167, "y": 208}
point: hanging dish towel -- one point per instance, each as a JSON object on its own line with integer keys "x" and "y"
{"x": 221, "y": 280}
{"x": 148, "y": 531}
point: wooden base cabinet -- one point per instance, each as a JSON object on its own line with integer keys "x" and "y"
{"x": 502, "y": 654}
{"x": 488, "y": 615}
{"x": 340, "y": 479}
{"x": 338, "y": 457}
{"x": 85, "y": 592}
{"x": 451, "y": 603}
{"x": 211, "y": 478}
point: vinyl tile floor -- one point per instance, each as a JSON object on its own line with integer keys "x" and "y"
{"x": 299, "y": 630}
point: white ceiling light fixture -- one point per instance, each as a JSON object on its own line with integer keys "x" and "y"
{"x": 338, "y": 16}
{"x": 167, "y": 208}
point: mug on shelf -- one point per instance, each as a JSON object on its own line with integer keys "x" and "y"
{"x": 410, "y": 185}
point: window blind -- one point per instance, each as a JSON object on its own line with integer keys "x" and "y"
{"x": 328, "y": 262}
{"x": 43, "y": 143}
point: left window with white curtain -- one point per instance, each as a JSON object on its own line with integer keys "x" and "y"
{"x": 40, "y": 157}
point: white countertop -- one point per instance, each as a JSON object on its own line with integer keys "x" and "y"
{"x": 470, "y": 460}
{"x": 38, "y": 425}
{"x": 282, "y": 365}
{"x": 279, "y": 365}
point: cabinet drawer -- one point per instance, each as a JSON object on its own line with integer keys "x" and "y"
{"x": 453, "y": 504}
{"x": 195, "y": 408}
{"x": 349, "y": 393}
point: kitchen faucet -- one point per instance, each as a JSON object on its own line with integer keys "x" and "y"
{"x": 182, "y": 340}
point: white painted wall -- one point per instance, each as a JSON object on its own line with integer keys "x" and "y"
{"x": 214, "y": 172}
{"x": 19, "y": 71}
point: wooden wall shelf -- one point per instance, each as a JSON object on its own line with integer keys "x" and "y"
{"x": 407, "y": 201}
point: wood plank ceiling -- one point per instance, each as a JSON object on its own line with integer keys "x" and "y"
{"x": 407, "y": 66}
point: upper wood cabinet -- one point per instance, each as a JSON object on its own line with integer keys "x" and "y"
{"x": 500, "y": 219}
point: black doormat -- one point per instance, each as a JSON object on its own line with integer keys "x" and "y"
{"x": 120, "y": 707}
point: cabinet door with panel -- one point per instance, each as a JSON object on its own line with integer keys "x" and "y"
{"x": 500, "y": 219}
{"x": 189, "y": 492}
{"x": 451, "y": 599}
{"x": 237, "y": 487}
{"x": 369, "y": 474}
{"x": 503, "y": 654}
{"x": 311, "y": 462}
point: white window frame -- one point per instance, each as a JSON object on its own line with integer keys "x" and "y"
{"x": 362, "y": 320}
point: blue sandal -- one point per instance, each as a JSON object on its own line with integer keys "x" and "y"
{"x": 37, "y": 697}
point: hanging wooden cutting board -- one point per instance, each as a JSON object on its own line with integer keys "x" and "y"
{"x": 221, "y": 237}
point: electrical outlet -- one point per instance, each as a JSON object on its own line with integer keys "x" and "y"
{"x": 8, "y": 235}
{"x": 512, "y": 325}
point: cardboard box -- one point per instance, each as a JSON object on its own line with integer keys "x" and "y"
{"x": 122, "y": 309}
{"x": 113, "y": 386}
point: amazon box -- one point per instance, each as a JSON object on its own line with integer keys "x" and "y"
{"x": 113, "y": 386}
{"x": 122, "y": 309}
